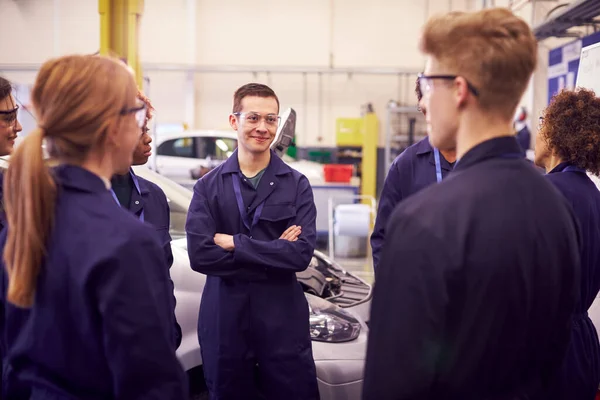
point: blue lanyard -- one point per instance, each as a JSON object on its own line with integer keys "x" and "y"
{"x": 572, "y": 168}
{"x": 438, "y": 165}
{"x": 240, "y": 203}
{"x": 136, "y": 183}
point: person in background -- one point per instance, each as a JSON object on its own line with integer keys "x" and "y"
{"x": 419, "y": 166}
{"x": 250, "y": 227}
{"x": 9, "y": 124}
{"x": 9, "y": 129}
{"x": 523, "y": 134}
{"x": 146, "y": 200}
{"x": 478, "y": 275}
{"x": 78, "y": 321}
{"x": 566, "y": 147}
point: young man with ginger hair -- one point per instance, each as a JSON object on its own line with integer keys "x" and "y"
{"x": 477, "y": 280}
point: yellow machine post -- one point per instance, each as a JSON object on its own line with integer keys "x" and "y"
{"x": 370, "y": 128}
{"x": 119, "y": 31}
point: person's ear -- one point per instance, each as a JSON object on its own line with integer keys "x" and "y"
{"x": 233, "y": 122}
{"x": 461, "y": 91}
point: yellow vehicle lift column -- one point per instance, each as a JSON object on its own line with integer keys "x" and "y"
{"x": 119, "y": 31}
{"x": 370, "y": 130}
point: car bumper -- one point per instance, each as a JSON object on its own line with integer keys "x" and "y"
{"x": 340, "y": 380}
{"x": 341, "y": 367}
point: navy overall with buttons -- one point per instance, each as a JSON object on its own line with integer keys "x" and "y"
{"x": 253, "y": 325}
{"x": 581, "y": 369}
{"x": 149, "y": 204}
{"x": 419, "y": 166}
{"x": 101, "y": 323}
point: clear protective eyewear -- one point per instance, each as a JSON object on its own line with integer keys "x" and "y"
{"x": 253, "y": 119}
{"x": 140, "y": 114}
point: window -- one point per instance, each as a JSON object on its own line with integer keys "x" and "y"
{"x": 214, "y": 147}
{"x": 182, "y": 147}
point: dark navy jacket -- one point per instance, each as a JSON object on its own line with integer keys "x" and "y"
{"x": 253, "y": 309}
{"x": 153, "y": 202}
{"x": 524, "y": 139}
{"x": 581, "y": 370}
{"x": 476, "y": 286}
{"x": 101, "y": 323}
{"x": 410, "y": 172}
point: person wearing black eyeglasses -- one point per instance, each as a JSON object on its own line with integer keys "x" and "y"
{"x": 479, "y": 274}
{"x": 419, "y": 166}
{"x": 84, "y": 293}
{"x": 9, "y": 124}
{"x": 9, "y": 129}
{"x": 146, "y": 200}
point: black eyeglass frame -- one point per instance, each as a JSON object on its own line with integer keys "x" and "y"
{"x": 470, "y": 86}
{"x": 6, "y": 112}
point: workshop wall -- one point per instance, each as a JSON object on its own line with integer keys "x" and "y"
{"x": 311, "y": 33}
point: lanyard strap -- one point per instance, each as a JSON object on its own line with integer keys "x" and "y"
{"x": 240, "y": 203}
{"x": 438, "y": 165}
{"x": 136, "y": 183}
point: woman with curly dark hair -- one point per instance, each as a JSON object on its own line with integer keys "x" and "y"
{"x": 568, "y": 145}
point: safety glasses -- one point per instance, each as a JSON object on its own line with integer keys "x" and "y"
{"x": 253, "y": 119}
{"x": 140, "y": 114}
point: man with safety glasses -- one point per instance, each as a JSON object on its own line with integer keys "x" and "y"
{"x": 145, "y": 199}
{"x": 479, "y": 273}
{"x": 250, "y": 228}
{"x": 417, "y": 167}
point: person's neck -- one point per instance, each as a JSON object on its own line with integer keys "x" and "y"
{"x": 99, "y": 168}
{"x": 449, "y": 155}
{"x": 252, "y": 163}
{"x": 477, "y": 129}
{"x": 551, "y": 162}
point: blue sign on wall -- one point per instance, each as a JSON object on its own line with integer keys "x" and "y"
{"x": 563, "y": 63}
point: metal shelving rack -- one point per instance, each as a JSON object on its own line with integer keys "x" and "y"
{"x": 405, "y": 126}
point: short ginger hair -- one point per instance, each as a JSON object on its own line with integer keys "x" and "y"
{"x": 571, "y": 128}
{"x": 492, "y": 49}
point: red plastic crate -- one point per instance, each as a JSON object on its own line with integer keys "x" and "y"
{"x": 338, "y": 172}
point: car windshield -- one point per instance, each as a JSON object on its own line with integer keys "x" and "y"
{"x": 179, "y": 199}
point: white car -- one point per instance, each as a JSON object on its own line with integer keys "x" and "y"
{"x": 339, "y": 305}
{"x": 179, "y": 154}
{"x": 185, "y": 156}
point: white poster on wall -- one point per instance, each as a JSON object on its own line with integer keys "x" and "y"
{"x": 588, "y": 74}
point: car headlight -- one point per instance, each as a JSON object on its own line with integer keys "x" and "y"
{"x": 330, "y": 323}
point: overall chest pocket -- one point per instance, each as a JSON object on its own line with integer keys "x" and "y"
{"x": 278, "y": 216}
